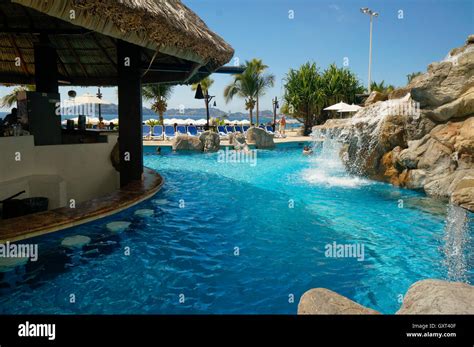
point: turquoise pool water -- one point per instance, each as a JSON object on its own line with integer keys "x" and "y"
{"x": 242, "y": 238}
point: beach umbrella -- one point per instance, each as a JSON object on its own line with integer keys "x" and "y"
{"x": 350, "y": 108}
{"x": 90, "y": 99}
{"x": 201, "y": 121}
{"x": 336, "y": 107}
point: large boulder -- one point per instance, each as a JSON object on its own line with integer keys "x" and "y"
{"x": 458, "y": 108}
{"x": 463, "y": 194}
{"x": 187, "y": 143}
{"x": 325, "y": 301}
{"x": 438, "y": 297}
{"x": 210, "y": 141}
{"x": 260, "y": 138}
{"x": 375, "y": 97}
{"x": 447, "y": 80}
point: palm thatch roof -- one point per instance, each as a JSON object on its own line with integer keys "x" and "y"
{"x": 176, "y": 43}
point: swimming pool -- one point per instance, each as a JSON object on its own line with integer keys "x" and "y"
{"x": 247, "y": 237}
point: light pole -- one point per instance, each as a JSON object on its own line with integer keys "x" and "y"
{"x": 99, "y": 95}
{"x": 275, "y": 107}
{"x": 372, "y": 14}
{"x": 207, "y": 99}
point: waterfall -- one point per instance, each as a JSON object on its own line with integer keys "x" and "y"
{"x": 327, "y": 166}
{"x": 456, "y": 240}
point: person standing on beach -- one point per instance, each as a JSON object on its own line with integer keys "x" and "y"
{"x": 282, "y": 125}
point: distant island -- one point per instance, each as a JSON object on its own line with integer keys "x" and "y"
{"x": 195, "y": 113}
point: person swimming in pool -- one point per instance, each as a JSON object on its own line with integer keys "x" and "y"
{"x": 307, "y": 150}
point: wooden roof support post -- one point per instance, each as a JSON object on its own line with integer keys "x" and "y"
{"x": 46, "y": 66}
{"x": 130, "y": 112}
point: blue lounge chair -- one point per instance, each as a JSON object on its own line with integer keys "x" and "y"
{"x": 230, "y": 129}
{"x": 245, "y": 128}
{"x": 157, "y": 132}
{"x": 146, "y": 130}
{"x": 261, "y": 126}
{"x": 238, "y": 129}
{"x": 269, "y": 129}
{"x": 192, "y": 130}
{"x": 181, "y": 130}
{"x": 221, "y": 130}
{"x": 169, "y": 132}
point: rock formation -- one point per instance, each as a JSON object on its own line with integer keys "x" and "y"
{"x": 423, "y": 136}
{"x": 438, "y": 297}
{"x": 210, "y": 141}
{"x": 325, "y": 301}
{"x": 187, "y": 143}
{"x": 423, "y": 297}
{"x": 260, "y": 138}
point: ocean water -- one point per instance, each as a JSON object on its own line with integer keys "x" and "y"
{"x": 247, "y": 237}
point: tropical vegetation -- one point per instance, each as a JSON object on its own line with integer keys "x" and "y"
{"x": 381, "y": 87}
{"x": 308, "y": 92}
{"x": 411, "y": 76}
{"x": 158, "y": 94}
{"x": 250, "y": 85}
{"x": 8, "y": 100}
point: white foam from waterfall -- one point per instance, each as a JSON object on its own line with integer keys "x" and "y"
{"x": 327, "y": 168}
{"x": 456, "y": 239}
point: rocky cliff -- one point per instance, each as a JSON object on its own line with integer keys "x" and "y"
{"x": 422, "y": 137}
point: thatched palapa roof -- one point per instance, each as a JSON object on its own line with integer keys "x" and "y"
{"x": 177, "y": 43}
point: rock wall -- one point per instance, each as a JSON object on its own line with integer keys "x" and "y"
{"x": 423, "y": 136}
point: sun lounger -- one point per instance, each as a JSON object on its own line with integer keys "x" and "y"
{"x": 157, "y": 132}
{"x": 238, "y": 129}
{"x": 181, "y": 130}
{"x": 146, "y": 130}
{"x": 192, "y": 130}
{"x": 169, "y": 132}
{"x": 222, "y": 131}
{"x": 230, "y": 129}
{"x": 269, "y": 129}
{"x": 245, "y": 128}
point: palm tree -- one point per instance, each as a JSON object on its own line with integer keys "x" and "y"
{"x": 206, "y": 84}
{"x": 8, "y": 100}
{"x": 244, "y": 85}
{"x": 381, "y": 87}
{"x": 264, "y": 81}
{"x": 158, "y": 94}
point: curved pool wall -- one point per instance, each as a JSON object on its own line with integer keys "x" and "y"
{"x": 235, "y": 238}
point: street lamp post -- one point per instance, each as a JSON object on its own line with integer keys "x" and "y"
{"x": 99, "y": 95}
{"x": 207, "y": 99}
{"x": 275, "y": 107}
{"x": 372, "y": 14}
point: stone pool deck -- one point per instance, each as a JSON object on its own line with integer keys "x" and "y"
{"x": 20, "y": 228}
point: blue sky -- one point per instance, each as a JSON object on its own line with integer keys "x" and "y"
{"x": 326, "y": 32}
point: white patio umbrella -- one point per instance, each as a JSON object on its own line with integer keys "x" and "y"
{"x": 336, "y": 107}
{"x": 350, "y": 108}
{"x": 201, "y": 121}
{"x": 88, "y": 98}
